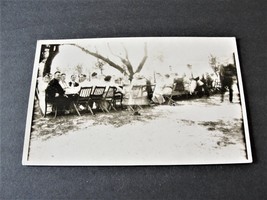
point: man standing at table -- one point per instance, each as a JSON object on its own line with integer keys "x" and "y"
{"x": 56, "y": 93}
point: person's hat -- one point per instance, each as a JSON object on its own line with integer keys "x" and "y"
{"x": 107, "y": 78}
{"x": 94, "y": 74}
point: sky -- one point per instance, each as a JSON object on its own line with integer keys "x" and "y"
{"x": 162, "y": 52}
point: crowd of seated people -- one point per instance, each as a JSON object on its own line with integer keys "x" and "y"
{"x": 136, "y": 93}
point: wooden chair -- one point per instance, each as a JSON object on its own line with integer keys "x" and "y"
{"x": 97, "y": 96}
{"x": 84, "y": 97}
{"x": 118, "y": 98}
{"x": 52, "y": 102}
{"x": 138, "y": 96}
{"x": 109, "y": 98}
{"x": 56, "y": 103}
{"x": 178, "y": 89}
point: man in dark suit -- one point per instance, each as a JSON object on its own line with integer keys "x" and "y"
{"x": 56, "y": 94}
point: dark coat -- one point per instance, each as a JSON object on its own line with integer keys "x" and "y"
{"x": 53, "y": 88}
{"x": 75, "y": 84}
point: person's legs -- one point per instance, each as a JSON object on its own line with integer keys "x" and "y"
{"x": 230, "y": 87}
{"x": 206, "y": 90}
{"x": 63, "y": 103}
{"x": 222, "y": 91}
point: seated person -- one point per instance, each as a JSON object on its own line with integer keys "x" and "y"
{"x": 63, "y": 82}
{"x": 74, "y": 87}
{"x": 158, "y": 91}
{"x": 109, "y": 83}
{"x": 149, "y": 89}
{"x": 168, "y": 85}
{"x": 83, "y": 82}
{"x": 56, "y": 94}
{"x": 73, "y": 82}
{"x": 95, "y": 81}
{"x": 136, "y": 95}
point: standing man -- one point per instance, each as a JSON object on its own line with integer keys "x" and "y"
{"x": 227, "y": 74}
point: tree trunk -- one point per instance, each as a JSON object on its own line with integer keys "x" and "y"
{"x": 53, "y": 51}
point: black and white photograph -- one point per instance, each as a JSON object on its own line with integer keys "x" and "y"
{"x": 137, "y": 101}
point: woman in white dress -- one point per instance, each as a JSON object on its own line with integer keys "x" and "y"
{"x": 158, "y": 91}
{"x": 42, "y": 85}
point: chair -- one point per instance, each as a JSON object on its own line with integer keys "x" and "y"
{"x": 150, "y": 90}
{"x": 178, "y": 89}
{"x": 53, "y": 103}
{"x": 109, "y": 97}
{"x": 97, "y": 96}
{"x": 217, "y": 85}
{"x": 84, "y": 96}
{"x": 138, "y": 97}
{"x": 118, "y": 97}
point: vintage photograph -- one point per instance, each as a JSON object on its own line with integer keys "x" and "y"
{"x": 137, "y": 101}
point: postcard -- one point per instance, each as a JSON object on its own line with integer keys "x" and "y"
{"x": 137, "y": 101}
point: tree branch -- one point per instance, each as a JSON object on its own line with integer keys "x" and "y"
{"x": 96, "y": 55}
{"x": 126, "y": 61}
{"x": 140, "y": 66}
{"x": 126, "y": 53}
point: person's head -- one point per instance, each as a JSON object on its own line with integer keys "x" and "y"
{"x": 73, "y": 77}
{"x": 167, "y": 76}
{"x": 107, "y": 78}
{"x": 94, "y": 75}
{"x": 138, "y": 76}
{"x": 63, "y": 76}
{"x": 46, "y": 53}
{"x": 57, "y": 75}
{"x": 82, "y": 77}
{"x": 47, "y": 77}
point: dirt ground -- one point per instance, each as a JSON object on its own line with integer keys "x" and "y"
{"x": 195, "y": 131}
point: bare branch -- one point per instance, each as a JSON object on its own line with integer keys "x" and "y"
{"x": 126, "y": 53}
{"x": 140, "y": 66}
{"x": 107, "y": 60}
{"x": 126, "y": 61}
{"x": 113, "y": 52}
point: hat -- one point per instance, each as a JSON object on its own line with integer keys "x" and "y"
{"x": 94, "y": 74}
{"x": 107, "y": 78}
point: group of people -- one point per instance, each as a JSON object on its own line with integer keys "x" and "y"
{"x": 57, "y": 89}
{"x": 63, "y": 91}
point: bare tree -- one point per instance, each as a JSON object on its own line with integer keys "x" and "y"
{"x": 100, "y": 65}
{"x": 125, "y": 67}
{"x": 214, "y": 64}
